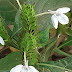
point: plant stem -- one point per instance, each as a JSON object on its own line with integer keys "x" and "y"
{"x": 19, "y": 4}
{"x": 64, "y": 44}
{"x": 61, "y": 52}
{"x": 54, "y": 66}
{"x": 25, "y": 58}
{"x": 43, "y": 13}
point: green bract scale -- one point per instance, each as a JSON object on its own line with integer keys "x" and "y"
{"x": 30, "y": 33}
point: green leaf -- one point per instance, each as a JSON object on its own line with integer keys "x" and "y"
{"x": 8, "y": 9}
{"x": 13, "y": 35}
{"x": 17, "y": 24}
{"x": 68, "y": 42}
{"x": 61, "y": 52}
{"x": 16, "y": 31}
{"x": 10, "y": 61}
{"x": 6, "y": 27}
{"x": 43, "y": 37}
{"x": 3, "y": 32}
{"x": 58, "y": 66}
{"x": 69, "y": 32}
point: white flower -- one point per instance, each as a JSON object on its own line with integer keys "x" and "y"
{"x": 17, "y": 68}
{"x": 66, "y": 71}
{"x": 21, "y": 68}
{"x": 29, "y": 69}
{"x": 59, "y": 15}
{"x": 2, "y": 41}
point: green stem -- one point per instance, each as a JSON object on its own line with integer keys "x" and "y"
{"x": 63, "y": 68}
{"x": 64, "y": 44}
{"x": 50, "y": 46}
{"x": 61, "y": 52}
{"x": 43, "y": 13}
{"x": 19, "y": 4}
{"x": 25, "y": 59}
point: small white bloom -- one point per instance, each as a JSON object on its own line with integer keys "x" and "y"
{"x": 21, "y": 68}
{"x": 17, "y": 68}
{"x": 59, "y": 15}
{"x": 66, "y": 71}
{"x": 29, "y": 69}
{"x": 2, "y": 41}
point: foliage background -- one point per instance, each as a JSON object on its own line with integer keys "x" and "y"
{"x": 10, "y": 16}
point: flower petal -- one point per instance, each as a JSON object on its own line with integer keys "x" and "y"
{"x": 63, "y": 10}
{"x": 63, "y": 19}
{"x": 66, "y": 71}
{"x": 24, "y": 69}
{"x": 17, "y": 68}
{"x": 32, "y": 69}
{"x": 54, "y": 21}
{"x": 2, "y": 41}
